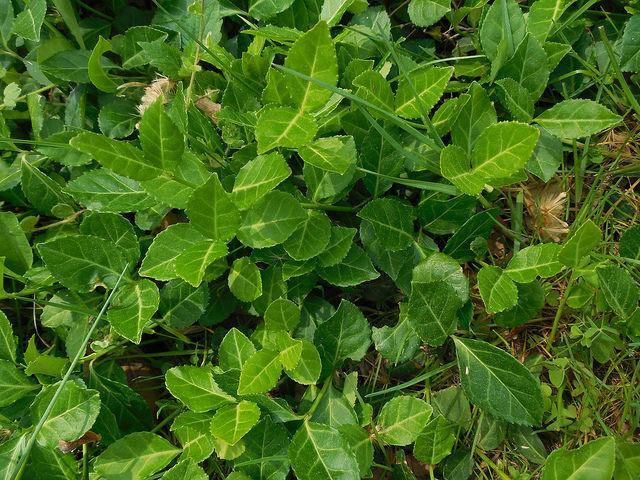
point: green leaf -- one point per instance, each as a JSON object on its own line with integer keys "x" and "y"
{"x": 630, "y": 47}
{"x": 282, "y": 314}
{"x": 375, "y": 89}
{"x": 10, "y": 453}
{"x": 6, "y": 25}
{"x": 272, "y": 220}
{"x": 319, "y": 452}
{"x": 181, "y": 304}
{"x": 428, "y": 83}
{"x": 544, "y": 15}
{"x": 8, "y": 341}
{"x": 488, "y": 373}
{"x": 392, "y": 221}
{"x": 14, "y": 383}
{"x": 233, "y": 422}
{"x": 474, "y": 117}
{"x": 497, "y": 290}
{"x": 212, "y": 212}
{"x": 132, "y": 54}
{"x": 503, "y": 22}
{"x": 360, "y": 442}
{"x": 95, "y": 68}
{"x": 114, "y": 228}
{"x": 581, "y": 243}
{"x": 346, "y": 334}
{"x": 132, "y": 308}
{"x": 534, "y": 261}
{"x": 136, "y": 456}
{"x": 424, "y": 13}
{"x": 629, "y": 244}
{"x": 528, "y": 67}
{"x": 338, "y": 247}
{"x": 258, "y": 177}
{"x": 354, "y": 269}
{"x": 264, "y": 9}
{"x": 433, "y": 309}
{"x": 620, "y": 290}
{"x": 244, "y": 280}
{"x": 160, "y": 138}
{"x": 14, "y": 246}
{"x": 311, "y": 237}
{"x": 260, "y": 373}
{"x": 284, "y": 127}
{"x": 309, "y": 367}
{"x": 192, "y": 263}
{"x": 73, "y": 414}
{"x": 627, "y": 460}
{"x": 235, "y": 349}
{"x": 185, "y": 469}
{"x": 289, "y": 349}
{"x": 160, "y": 261}
{"x": 547, "y": 157}
{"x": 401, "y": 420}
{"x": 435, "y": 442}
{"x": 501, "y": 150}
{"x": 105, "y": 191}
{"x": 193, "y": 432}
{"x": 196, "y": 388}
{"x": 121, "y": 157}
{"x": 314, "y": 55}
{"x": 334, "y": 410}
{"x": 28, "y": 22}
{"x": 577, "y": 118}
{"x": 332, "y": 154}
{"x": 593, "y": 461}
{"x": 399, "y": 343}
{"x": 265, "y": 453}
{"x": 82, "y": 262}
{"x": 43, "y": 192}
{"x": 515, "y": 98}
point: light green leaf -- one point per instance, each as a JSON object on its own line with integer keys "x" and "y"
{"x": 10, "y": 453}
{"x": 82, "y": 262}
{"x": 435, "y": 442}
{"x": 234, "y": 350}
{"x": 334, "y": 410}
{"x": 441, "y": 267}
{"x": 333, "y": 10}
{"x": 160, "y": 260}
{"x": 497, "y": 290}
{"x": 528, "y": 67}
{"x": 501, "y": 151}
{"x": 338, "y": 247}
{"x": 192, "y": 263}
{"x": 428, "y": 83}
{"x": 593, "y": 461}
{"x": 282, "y": 314}
{"x": 581, "y": 243}
{"x": 196, "y": 388}
{"x": 577, "y": 118}
{"x": 515, "y": 98}
{"x": 132, "y": 308}
{"x": 14, "y": 246}
{"x": 319, "y": 452}
{"x": 627, "y": 460}
{"x": 544, "y": 15}
{"x": 226, "y": 451}
{"x": 134, "y": 457}
{"x": 8, "y": 341}
{"x": 28, "y": 22}
{"x": 620, "y": 290}
{"x": 212, "y": 212}
{"x": 289, "y": 349}
{"x": 73, "y": 414}
{"x": 260, "y": 373}
{"x": 503, "y": 22}
{"x": 105, "y": 191}
{"x": 114, "y": 228}
{"x": 433, "y": 311}
{"x": 534, "y": 261}
{"x": 265, "y": 453}
{"x": 181, "y": 305}
{"x": 392, "y": 222}
{"x": 14, "y": 383}
{"x": 474, "y": 117}
{"x": 630, "y": 47}
{"x": 399, "y": 343}
{"x": 258, "y": 177}
{"x": 346, "y": 334}
{"x": 284, "y": 127}
{"x": 264, "y": 9}
{"x": 332, "y": 154}
{"x": 311, "y": 237}
{"x": 547, "y": 157}
{"x": 42, "y": 191}
{"x": 96, "y": 70}
{"x": 161, "y": 140}
{"x": 185, "y": 469}
{"x": 272, "y": 220}
{"x": 401, "y": 420}
{"x": 244, "y": 280}
{"x": 424, "y": 13}
{"x": 354, "y": 269}
{"x": 121, "y": 157}
{"x": 314, "y": 55}
{"x": 309, "y": 367}
{"x": 375, "y": 89}
{"x": 233, "y": 422}
{"x": 193, "y": 432}
{"x": 487, "y": 373}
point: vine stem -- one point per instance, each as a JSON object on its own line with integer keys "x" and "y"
{"x": 19, "y": 470}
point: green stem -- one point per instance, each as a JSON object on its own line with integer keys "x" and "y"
{"x": 19, "y": 471}
{"x": 558, "y": 316}
{"x": 328, "y": 208}
{"x": 493, "y": 466}
{"x": 413, "y": 381}
{"x": 421, "y": 184}
{"x": 318, "y": 399}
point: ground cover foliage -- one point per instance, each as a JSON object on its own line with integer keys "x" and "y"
{"x": 319, "y": 239}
